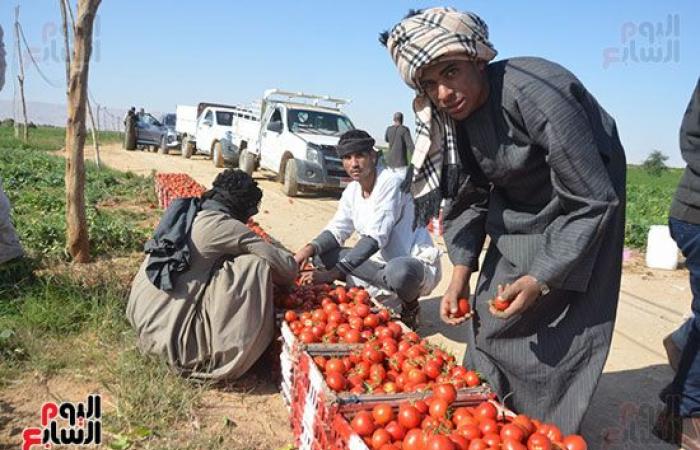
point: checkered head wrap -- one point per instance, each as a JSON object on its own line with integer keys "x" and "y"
{"x": 435, "y": 35}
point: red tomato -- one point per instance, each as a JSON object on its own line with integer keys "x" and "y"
{"x": 461, "y": 443}
{"x": 439, "y": 442}
{"x": 306, "y": 336}
{"x": 380, "y": 437}
{"x": 445, "y": 391}
{"x": 539, "y": 441}
{"x": 551, "y": 431}
{"x": 512, "y": 444}
{"x": 416, "y": 376}
{"x": 363, "y": 424}
{"x": 470, "y": 432}
{"x": 492, "y": 439}
{"x": 382, "y": 413}
{"x": 513, "y": 431}
{"x": 486, "y": 410}
{"x": 371, "y": 321}
{"x": 478, "y": 444}
{"x": 500, "y": 304}
{"x": 488, "y": 426}
{"x": 361, "y": 310}
{"x": 525, "y": 423}
{"x": 335, "y": 365}
{"x": 352, "y": 336}
{"x": 336, "y": 381}
{"x": 459, "y": 414}
{"x": 413, "y": 440}
{"x": 290, "y": 316}
{"x": 463, "y": 307}
{"x": 438, "y": 408}
{"x": 575, "y": 442}
{"x": 409, "y": 417}
{"x": 472, "y": 378}
{"x": 396, "y": 430}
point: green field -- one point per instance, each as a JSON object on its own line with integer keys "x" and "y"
{"x": 648, "y": 201}
{"x": 48, "y": 138}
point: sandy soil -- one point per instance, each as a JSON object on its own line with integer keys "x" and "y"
{"x": 652, "y": 304}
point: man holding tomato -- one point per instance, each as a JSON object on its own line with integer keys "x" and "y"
{"x": 390, "y": 256}
{"x": 521, "y": 151}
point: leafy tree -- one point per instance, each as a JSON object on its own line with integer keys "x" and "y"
{"x": 655, "y": 164}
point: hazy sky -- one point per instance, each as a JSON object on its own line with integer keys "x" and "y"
{"x": 160, "y": 53}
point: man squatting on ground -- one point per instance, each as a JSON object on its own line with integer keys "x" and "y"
{"x": 390, "y": 255}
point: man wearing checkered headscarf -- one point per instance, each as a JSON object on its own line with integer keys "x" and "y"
{"x": 517, "y": 149}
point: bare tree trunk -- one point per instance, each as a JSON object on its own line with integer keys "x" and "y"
{"x": 95, "y": 130}
{"x": 66, "y": 40}
{"x": 65, "y": 8}
{"x": 77, "y": 242}
{"x": 20, "y": 79}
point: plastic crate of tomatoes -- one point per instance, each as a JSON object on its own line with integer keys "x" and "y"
{"x": 443, "y": 421}
{"x": 312, "y": 407}
{"x": 328, "y": 383}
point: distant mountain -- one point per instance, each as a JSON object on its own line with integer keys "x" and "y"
{"x": 42, "y": 113}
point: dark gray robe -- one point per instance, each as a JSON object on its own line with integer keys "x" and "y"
{"x": 556, "y": 170}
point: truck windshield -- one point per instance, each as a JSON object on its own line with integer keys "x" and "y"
{"x": 224, "y": 118}
{"x": 169, "y": 119}
{"x": 317, "y": 122}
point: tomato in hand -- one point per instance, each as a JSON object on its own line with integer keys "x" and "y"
{"x": 463, "y": 308}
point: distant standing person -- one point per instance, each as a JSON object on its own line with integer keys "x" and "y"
{"x": 130, "y": 129}
{"x": 400, "y": 144}
{"x": 682, "y": 396}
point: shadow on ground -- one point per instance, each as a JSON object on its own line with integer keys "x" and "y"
{"x": 624, "y": 409}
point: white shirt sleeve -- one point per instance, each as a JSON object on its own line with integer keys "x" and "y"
{"x": 341, "y": 225}
{"x": 388, "y": 207}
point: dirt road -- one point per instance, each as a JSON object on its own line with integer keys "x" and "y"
{"x": 652, "y": 303}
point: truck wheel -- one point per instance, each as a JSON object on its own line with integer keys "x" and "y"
{"x": 163, "y": 150}
{"x": 217, "y": 155}
{"x": 187, "y": 148}
{"x": 246, "y": 162}
{"x": 290, "y": 187}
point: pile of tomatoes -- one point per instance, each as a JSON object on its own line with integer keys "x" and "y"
{"x": 436, "y": 424}
{"x": 392, "y": 363}
{"x": 177, "y": 185}
{"x": 336, "y": 315}
{"x": 257, "y": 229}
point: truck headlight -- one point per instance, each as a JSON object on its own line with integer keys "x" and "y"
{"x": 313, "y": 152}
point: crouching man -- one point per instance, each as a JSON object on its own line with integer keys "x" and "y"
{"x": 390, "y": 256}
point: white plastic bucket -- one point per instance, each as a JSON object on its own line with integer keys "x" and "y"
{"x": 662, "y": 252}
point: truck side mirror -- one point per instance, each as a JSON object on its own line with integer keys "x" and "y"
{"x": 275, "y": 126}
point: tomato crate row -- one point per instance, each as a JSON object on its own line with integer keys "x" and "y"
{"x": 170, "y": 186}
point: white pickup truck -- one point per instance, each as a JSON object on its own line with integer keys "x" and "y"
{"x": 219, "y": 131}
{"x": 297, "y": 139}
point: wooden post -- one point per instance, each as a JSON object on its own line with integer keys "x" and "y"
{"x": 77, "y": 242}
{"x": 20, "y": 79}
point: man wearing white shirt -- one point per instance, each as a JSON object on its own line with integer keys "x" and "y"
{"x": 390, "y": 255}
